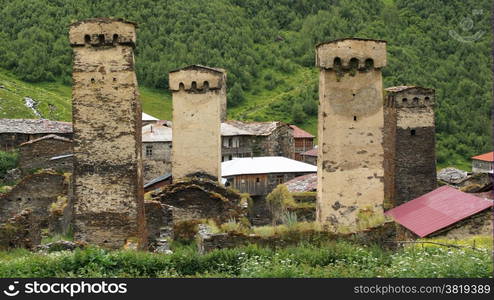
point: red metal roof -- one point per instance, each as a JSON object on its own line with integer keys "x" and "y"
{"x": 311, "y": 152}
{"x": 437, "y": 210}
{"x": 485, "y": 157}
{"x": 300, "y": 133}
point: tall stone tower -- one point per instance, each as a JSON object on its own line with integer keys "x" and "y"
{"x": 199, "y": 101}
{"x": 409, "y": 144}
{"x": 350, "y": 184}
{"x": 109, "y": 204}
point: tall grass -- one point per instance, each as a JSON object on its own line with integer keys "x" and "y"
{"x": 332, "y": 259}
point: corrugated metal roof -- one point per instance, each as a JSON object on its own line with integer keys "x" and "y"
{"x": 146, "y": 117}
{"x": 485, "y": 157}
{"x": 300, "y": 133}
{"x": 264, "y": 165}
{"x": 61, "y": 156}
{"x": 156, "y": 133}
{"x": 311, "y": 152}
{"x": 47, "y": 137}
{"x": 437, "y": 210}
{"x": 34, "y": 126}
{"x": 157, "y": 179}
{"x": 304, "y": 183}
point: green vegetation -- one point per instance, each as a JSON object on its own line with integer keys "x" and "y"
{"x": 8, "y": 161}
{"x": 332, "y": 259}
{"x": 267, "y": 47}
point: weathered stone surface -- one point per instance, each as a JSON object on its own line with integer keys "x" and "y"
{"x": 38, "y": 154}
{"x": 20, "y": 231}
{"x": 350, "y": 134}
{"x": 451, "y": 175}
{"x": 108, "y": 187}
{"x": 59, "y": 246}
{"x": 157, "y": 217}
{"x": 199, "y": 101}
{"x": 409, "y": 144}
{"x": 200, "y": 198}
{"x": 36, "y": 192}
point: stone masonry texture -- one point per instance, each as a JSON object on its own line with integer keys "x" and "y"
{"x": 350, "y": 134}
{"x": 409, "y": 143}
{"x": 199, "y": 94}
{"x": 108, "y": 188}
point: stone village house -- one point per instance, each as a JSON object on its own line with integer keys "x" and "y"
{"x": 304, "y": 141}
{"x": 50, "y": 151}
{"x": 238, "y": 139}
{"x": 483, "y": 163}
{"x": 14, "y": 132}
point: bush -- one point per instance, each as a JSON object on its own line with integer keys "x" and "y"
{"x": 330, "y": 259}
{"x": 276, "y": 202}
{"x": 8, "y": 161}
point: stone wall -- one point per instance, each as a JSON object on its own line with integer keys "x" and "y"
{"x": 108, "y": 187}
{"x": 35, "y": 192}
{"x": 200, "y": 198}
{"x": 159, "y": 162}
{"x": 380, "y": 235}
{"x": 350, "y": 134}
{"x": 20, "y": 231}
{"x": 37, "y": 155}
{"x": 410, "y": 156}
{"x": 198, "y": 97}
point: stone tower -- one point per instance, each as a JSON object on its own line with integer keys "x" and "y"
{"x": 108, "y": 192}
{"x": 409, "y": 144}
{"x": 350, "y": 184}
{"x": 199, "y": 101}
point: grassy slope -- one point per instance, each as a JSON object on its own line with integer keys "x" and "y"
{"x": 154, "y": 102}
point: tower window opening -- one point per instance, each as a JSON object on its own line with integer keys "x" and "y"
{"x": 115, "y": 38}
{"x": 412, "y": 132}
{"x": 101, "y": 38}
{"x": 87, "y": 39}
{"x": 181, "y": 86}
{"x": 355, "y": 118}
{"x": 194, "y": 85}
{"x": 415, "y": 100}
{"x": 427, "y": 98}
{"x": 404, "y": 100}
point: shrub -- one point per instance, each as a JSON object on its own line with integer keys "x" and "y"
{"x": 8, "y": 161}
{"x": 276, "y": 202}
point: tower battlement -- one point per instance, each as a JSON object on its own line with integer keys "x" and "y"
{"x": 350, "y": 53}
{"x": 196, "y": 79}
{"x": 102, "y": 32}
{"x": 409, "y": 97}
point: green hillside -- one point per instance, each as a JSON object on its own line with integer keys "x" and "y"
{"x": 267, "y": 47}
{"x": 54, "y": 99}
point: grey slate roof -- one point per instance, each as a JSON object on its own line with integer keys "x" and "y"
{"x": 34, "y": 126}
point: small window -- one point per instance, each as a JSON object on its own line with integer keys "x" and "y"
{"x": 404, "y": 100}
{"x": 230, "y": 157}
{"x": 257, "y": 179}
{"x": 412, "y": 132}
{"x": 149, "y": 151}
{"x": 427, "y": 99}
{"x": 355, "y": 118}
{"x": 415, "y": 100}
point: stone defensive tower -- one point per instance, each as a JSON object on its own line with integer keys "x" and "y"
{"x": 350, "y": 184}
{"x": 108, "y": 192}
{"x": 409, "y": 144}
{"x": 199, "y": 101}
